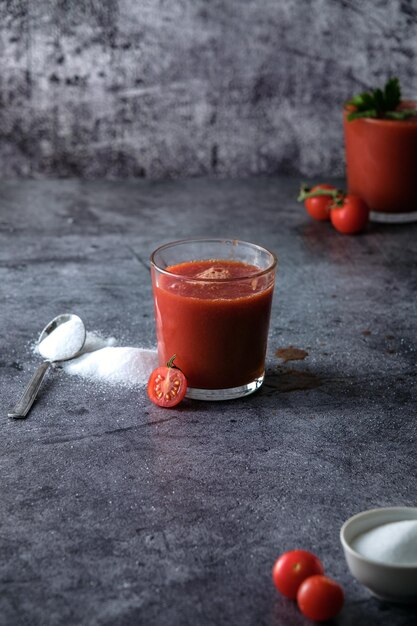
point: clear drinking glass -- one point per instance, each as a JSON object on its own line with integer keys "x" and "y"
{"x": 212, "y": 301}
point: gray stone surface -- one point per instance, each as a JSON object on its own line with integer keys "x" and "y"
{"x": 120, "y": 88}
{"x": 115, "y": 512}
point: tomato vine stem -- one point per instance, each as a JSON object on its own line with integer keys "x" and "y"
{"x": 337, "y": 194}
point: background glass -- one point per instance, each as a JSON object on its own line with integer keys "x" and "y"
{"x": 381, "y": 164}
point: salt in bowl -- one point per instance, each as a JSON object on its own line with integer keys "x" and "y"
{"x": 385, "y": 580}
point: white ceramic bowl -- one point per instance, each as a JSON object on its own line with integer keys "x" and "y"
{"x": 395, "y": 583}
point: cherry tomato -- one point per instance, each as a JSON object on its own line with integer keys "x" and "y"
{"x": 320, "y": 598}
{"x": 292, "y": 568}
{"x": 318, "y": 207}
{"x": 167, "y": 385}
{"x": 351, "y": 217}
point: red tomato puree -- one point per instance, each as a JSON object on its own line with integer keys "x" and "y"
{"x": 217, "y": 328}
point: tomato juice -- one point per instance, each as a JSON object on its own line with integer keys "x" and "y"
{"x": 381, "y": 162}
{"x": 214, "y": 315}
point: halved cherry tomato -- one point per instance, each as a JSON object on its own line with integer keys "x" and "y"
{"x": 292, "y": 568}
{"x": 318, "y": 207}
{"x": 320, "y": 598}
{"x": 167, "y": 385}
{"x": 351, "y": 216}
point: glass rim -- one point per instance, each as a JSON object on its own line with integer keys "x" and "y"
{"x": 171, "y": 244}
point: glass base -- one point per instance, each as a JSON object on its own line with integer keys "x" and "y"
{"x": 393, "y": 218}
{"x": 231, "y": 393}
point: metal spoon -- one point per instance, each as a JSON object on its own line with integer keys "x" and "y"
{"x": 64, "y": 353}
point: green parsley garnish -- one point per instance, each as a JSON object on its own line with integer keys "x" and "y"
{"x": 380, "y": 103}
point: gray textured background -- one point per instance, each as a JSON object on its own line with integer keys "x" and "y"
{"x": 166, "y": 88}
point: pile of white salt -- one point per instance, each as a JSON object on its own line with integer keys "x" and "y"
{"x": 115, "y": 365}
{"x": 102, "y": 361}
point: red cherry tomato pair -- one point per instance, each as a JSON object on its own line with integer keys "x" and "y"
{"x": 167, "y": 385}
{"x": 299, "y": 575}
{"x": 348, "y": 213}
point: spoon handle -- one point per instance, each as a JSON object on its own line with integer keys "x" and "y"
{"x": 22, "y": 407}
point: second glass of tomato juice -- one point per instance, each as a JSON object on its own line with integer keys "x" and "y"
{"x": 212, "y": 301}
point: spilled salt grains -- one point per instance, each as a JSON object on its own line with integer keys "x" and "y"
{"x": 102, "y": 361}
{"x": 394, "y": 543}
{"x": 94, "y": 341}
{"x": 114, "y": 365}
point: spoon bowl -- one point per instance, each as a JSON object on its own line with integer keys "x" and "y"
{"x": 68, "y": 338}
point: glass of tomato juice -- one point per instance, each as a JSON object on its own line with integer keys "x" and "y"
{"x": 381, "y": 165}
{"x": 212, "y": 300}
